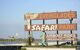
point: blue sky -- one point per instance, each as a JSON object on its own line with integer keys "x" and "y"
{"x": 12, "y": 14}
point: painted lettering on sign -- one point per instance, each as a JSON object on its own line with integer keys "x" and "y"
{"x": 50, "y": 27}
{"x": 51, "y": 15}
{"x": 61, "y": 36}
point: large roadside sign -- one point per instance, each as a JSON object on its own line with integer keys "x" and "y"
{"x": 52, "y": 27}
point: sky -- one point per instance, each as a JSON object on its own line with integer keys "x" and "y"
{"x": 12, "y": 15}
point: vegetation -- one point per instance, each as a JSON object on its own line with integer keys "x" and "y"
{"x": 13, "y": 40}
{"x": 78, "y": 43}
{"x": 32, "y": 40}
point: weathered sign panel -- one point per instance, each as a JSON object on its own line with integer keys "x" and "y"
{"x": 61, "y": 36}
{"x": 50, "y": 27}
{"x": 51, "y": 15}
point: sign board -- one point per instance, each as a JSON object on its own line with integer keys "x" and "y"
{"x": 61, "y": 36}
{"x": 51, "y": 15}
{"x": 50, "y": 27}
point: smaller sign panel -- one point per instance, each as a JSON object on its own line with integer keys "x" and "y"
{"x": 50, "y": 27}
{"x": 51, "y": 15}
{"x": 61, "y": 36}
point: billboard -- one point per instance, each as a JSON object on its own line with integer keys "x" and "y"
{"x": 51, "y": 15}
{"x": 50, "y": 27}
{"x": 61, "y": 36}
